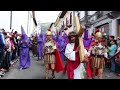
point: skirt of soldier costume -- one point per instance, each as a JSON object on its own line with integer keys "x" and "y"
{"x": 49, "y": 59}
{"x": 97, "y": 62}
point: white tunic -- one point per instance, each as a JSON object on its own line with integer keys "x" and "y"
{"x": 70, "y": 54}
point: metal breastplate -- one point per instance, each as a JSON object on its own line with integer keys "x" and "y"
{"x": 48, "y": 46}
{"x": 98, "y": 49}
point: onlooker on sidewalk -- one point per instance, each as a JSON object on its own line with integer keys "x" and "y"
{"x": 112, "y": 50}
{"x": 6, "y": 61}
{"x": 117, "y": 60}
{"x": 2, "y": 49}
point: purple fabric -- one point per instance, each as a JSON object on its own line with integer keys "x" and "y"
{"x": 24, "y": 36}
{"x": 61, "y": 46}
{"x": 24, "y": 58}
{"x": 86, "y": 34}
{"x": 65, "y": 37}
{"x": 44, "y": 37}
{"x": 86, "y": 41}
{"x": 40, "y": 45}
{"x": 54, "y": 37}
{"x": 24, "y": 51}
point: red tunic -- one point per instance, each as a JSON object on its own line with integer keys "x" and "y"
{"x": 72, "y": 65}
{"x": 88, "y": 67}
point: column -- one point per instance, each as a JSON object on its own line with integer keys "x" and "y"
{"x": 113, "y": 30}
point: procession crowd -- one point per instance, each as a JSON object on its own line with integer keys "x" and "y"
{"x": 55, "y": 49}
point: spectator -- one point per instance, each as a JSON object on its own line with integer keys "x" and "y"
{"x": 117, "y": 60}
{"x": 6, "y": 61}
{"x": 111, "y": 38}
{"x": 112, "y": 50}
{"x": 2, "y": 49}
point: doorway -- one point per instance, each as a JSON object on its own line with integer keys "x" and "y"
{"x": 118, "y": 21}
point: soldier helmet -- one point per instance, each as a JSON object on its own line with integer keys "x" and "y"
{"x": 49, "y": 33}
{"x": 98, "y": 35}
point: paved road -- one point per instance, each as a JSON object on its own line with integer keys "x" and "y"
{"x": 36, "y": 71}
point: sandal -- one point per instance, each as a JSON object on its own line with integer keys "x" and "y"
{"x": 53, "y": 77}
{"x": 46, "y": 77}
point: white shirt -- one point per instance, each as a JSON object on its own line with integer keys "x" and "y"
{"x": 69, "y": 53}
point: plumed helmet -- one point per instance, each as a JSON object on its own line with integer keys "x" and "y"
{"x": 49, "y": 33}
{"x": 98, "y": 35}
{"x": 97, "y": 30}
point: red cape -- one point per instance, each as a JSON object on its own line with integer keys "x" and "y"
{"x": 58, "y": 65}
{"x": 88, "y": 67}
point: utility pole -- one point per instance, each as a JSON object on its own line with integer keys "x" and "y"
{"x": 28, "y": 22}
{"x": 10, "y": 20}
{"x": 86, "y": 16}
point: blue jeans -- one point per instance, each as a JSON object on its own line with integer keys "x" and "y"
{"x": 113, "y": 64}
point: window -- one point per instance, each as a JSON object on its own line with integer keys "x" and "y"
{"x": 66, "y": 22}
{"x": 63, "y": 24}
{"x": 71, "y": 18}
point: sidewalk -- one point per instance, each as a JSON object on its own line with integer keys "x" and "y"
{"x": 13, "y": 63}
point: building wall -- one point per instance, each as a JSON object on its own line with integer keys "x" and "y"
{"x": 114, "y": 30}
{"x": 67, "y": 15}
{"x": 53, "y": 29}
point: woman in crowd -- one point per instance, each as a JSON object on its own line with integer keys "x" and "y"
{"x": 112, "y": 50}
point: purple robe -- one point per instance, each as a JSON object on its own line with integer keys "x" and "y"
{"x": 24, "y": 51}
{"x": 40, "y": 46}
{"x": 61, "y": 46}
{"x": 54, "y": 37}
{"x": 44, "y": 37}
{"x": 65, "y": 37}
{"x": 86, "y": 41}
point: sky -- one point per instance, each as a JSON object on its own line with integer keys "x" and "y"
{"x": 21, "y": 18}
{"x": 46, "y": 16}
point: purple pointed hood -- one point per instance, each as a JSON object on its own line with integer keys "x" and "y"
{"x": 87, "y": 41}
{"x": 85, "y": 34}
{"x": 24, "y": 36}
{"x": 65, "y": 37}
{"x": 60, "y": 38}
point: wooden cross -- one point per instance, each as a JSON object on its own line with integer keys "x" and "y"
{"x": 80, "y": 32}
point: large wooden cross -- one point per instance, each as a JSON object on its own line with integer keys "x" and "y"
{"x": 80, "y": 32}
